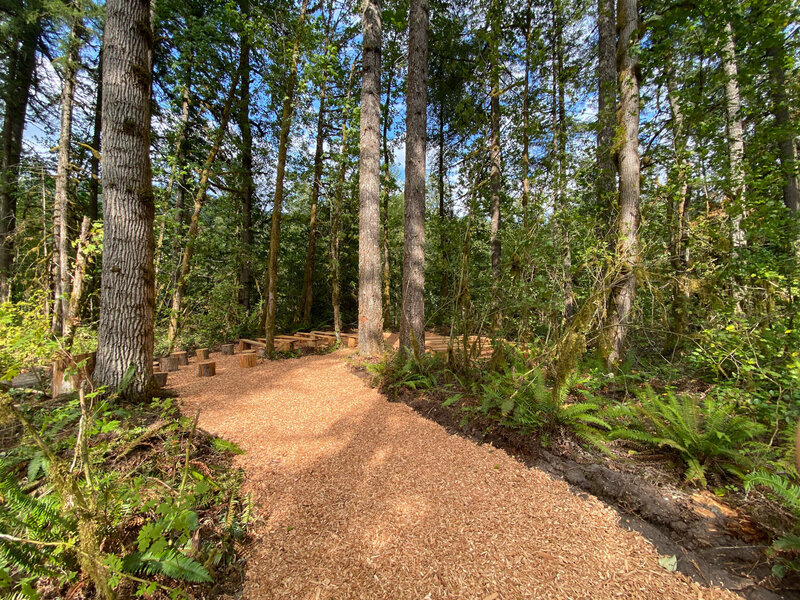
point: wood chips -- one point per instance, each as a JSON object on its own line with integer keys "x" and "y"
{"x": 362, "y": 498}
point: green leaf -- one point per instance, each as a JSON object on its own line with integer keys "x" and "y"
{"x": 670, "y": 563}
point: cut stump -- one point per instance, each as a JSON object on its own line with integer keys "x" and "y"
{"x": 247, "y": 360}
{"x": 226, "y": 349}
{"x": 168, "y": 364}
{"x": 183, "y": 358}
{"x": 207, "y": 368}
{"x": 161, "y": 379}
{"x": 202, "y": 354}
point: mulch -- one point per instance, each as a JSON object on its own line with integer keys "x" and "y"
{"x": 359, "y": 497}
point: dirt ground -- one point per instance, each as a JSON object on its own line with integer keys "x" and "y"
{"x": 362, "y": 498}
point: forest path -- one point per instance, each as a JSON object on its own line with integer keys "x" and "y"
{"x": 362, "y": 498}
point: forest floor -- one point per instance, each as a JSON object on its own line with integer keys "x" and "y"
{"x": 359, "y": 497}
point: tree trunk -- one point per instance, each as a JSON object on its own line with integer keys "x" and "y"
{"x": 194, "y": 224}
{"x": 370, "y": 319}
{"x": 733, "y": 105}
{"x": 246, "y": 165}
{"x": 336, "y": 209}
{"x": 178, "y": 177}
{"x": 387, "y": 188}
{"x": 277, "y": 203}
{"x": 21, "y": 62}
{"x": 606, "y": 110}
{"x": 308, "y": 275}
{"x": 61, "y": 203}
{"x": 678, "y": 221}
{"x": 560, "y": 143}
{"x": 73, "y": 316}
{"x": 495, "y": 159}
{"x": 441, "y": 176}
{"x": 776, "y": 54}
{"x": 125, "y": 333}
{"x": 94, "y": 182}
{"x": 627, "y": 251}
{"x": 412, "y": 320}
{"x": 526, "y": 183}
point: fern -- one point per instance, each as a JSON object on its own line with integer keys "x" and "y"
{"x": 170, "y": 563}
{"x": 779, "y": 487}
{"x": 707, "y": 435}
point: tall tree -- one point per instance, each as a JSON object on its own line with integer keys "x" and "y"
{"x": 495, "y": 25}
{"x": 370, "y": 318}
{"x": 125, "y": 333}
{"x": 94, "y": 182}
{"x": 277, "y": 202}
{"x": 194, "y": 223}
{"x": 733, "y": 109}
{"x": 246, "y": 160}
{"x": 21, "y": 62}
{"x": 606, "y": 105}
{"x": 627, "y": 229}
{"x": 412, "y": 319}
{"x": 61, "y": 204}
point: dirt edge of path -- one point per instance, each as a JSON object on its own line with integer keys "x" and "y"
{"x": 704, "y": 552}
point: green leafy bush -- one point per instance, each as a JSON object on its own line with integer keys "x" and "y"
{"x": 707, "y": 434}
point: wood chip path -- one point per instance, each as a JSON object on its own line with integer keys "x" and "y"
{"x": 362, "y": 498}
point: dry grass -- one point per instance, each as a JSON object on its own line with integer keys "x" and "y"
{"x": 362, "y": 498}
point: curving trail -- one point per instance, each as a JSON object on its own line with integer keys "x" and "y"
{"x": 361, "y": 498}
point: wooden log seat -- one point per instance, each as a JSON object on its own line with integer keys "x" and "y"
{"x": 207, "y": 368}
{"x": 226, "y": 349}
{"x": 183, "y": 357}
{"x": 202, "y": 354}
{"x": 168, "y": 364}
{"x": 247, "y": 360}
{"x": 161, "y": 379}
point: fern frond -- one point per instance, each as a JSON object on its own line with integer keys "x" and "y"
{"x": 169, "y": 563}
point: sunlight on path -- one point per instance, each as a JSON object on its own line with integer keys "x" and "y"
{"x": 362, "y": 498}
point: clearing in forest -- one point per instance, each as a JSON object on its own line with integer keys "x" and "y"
{"x": 358, "y": 497}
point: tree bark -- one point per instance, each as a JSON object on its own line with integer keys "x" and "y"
{"x": 526, "y": 183}
{"x": 733, "y": 105}
{"x": 441, "y": 176}
{"x": 627, "y": 250}
{"x": 246, "y": 165}
{"x": 277, "y": 203}
{"x": 370, "y": 318}
{"x": 21, "y": 63}
{"x": 336, "y": 209}
{"x": 495, "y": 158}
{"x": 178, "y": 177}
{"x": 387, "y": 189}
{"x": 308, "y": 275}
{"x": 73, "y": 319}
{"x": 61, "y": 203}
{"x": 194, "y": 224}
{"x": 412, "y": 318}
{"x": 678, "y": 220}
{"x": 776, "y": 55}
{"x": 606, "y": 110}
{"x": 125, "y": 333}
{"x": 94, "y": 182}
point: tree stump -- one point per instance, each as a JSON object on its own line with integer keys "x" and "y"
{"x": 247, "y": 360}
{"x": 202, "y": 354}
{"x": 226, "y": 349}
{"x": 67, "y": 373}
{"x": 161, "y": 379}
{"x": 183, "y": 358}
{"x": 168, "y": 364}
{"x": 206, "y": 368}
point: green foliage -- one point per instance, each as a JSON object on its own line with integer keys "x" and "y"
{"x": 707, "y": 434}
{"x": 25, "y": 339}
{"x": 786, "y": 549}
{"x": 151, "y": 531}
